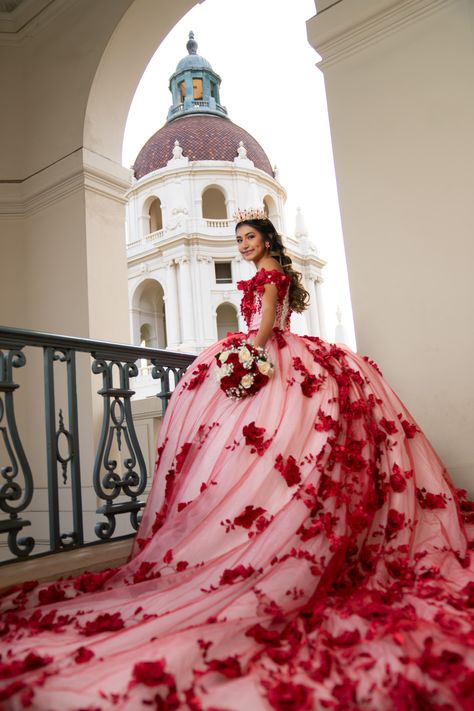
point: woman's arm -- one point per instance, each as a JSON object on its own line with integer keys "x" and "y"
{"x": 269, "y": 307}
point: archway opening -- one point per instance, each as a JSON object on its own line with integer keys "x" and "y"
{"x": 150, "y": 315}
{"x": 155, "y": 216}
{"x": 226, "y": 320}
{"x": 213, "y": 204}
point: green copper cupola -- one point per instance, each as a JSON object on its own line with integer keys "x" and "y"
{"x": 195, "y": 86}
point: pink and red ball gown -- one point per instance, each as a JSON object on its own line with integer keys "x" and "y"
{"x": 300, "y": 549}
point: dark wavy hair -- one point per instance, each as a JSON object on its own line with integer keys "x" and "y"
{"x": 299, "y": 297}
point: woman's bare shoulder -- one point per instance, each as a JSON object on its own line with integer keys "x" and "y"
{"x": 270, "y": 264}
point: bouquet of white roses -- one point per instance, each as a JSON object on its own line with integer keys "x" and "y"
{"x": 242, "y": 369}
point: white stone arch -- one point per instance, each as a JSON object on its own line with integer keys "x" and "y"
{"x": 227, "y": 319}
{"x": 120, "y": 66}
{"x": 149, "y": 314}
{"x": 214, "y": 202}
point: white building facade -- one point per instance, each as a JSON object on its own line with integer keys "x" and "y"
{"x": 183, "y": 263}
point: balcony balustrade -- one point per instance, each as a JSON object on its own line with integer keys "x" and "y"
{"x": 222, "y": 224}
{"x": 198, "y": 105}
{"x": 46, "y": 381}
{"x": 204, "y": 226}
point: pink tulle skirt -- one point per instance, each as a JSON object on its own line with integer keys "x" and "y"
{"x": 300, "y": 549}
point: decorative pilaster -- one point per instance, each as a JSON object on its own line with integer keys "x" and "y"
{"x": 173, "y": 337}
{"x": 206, "y": 279}
{"x": 135, "y": 325}
{"x": 186, "y": 302}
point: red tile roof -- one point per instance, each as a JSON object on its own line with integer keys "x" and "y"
{"x": 201, "y": 138}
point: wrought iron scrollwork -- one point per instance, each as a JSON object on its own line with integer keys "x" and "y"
{"x": 162, "y": 373}
{"x": 119, "y": 485}
{"x": 54, "y": 435}
{"x": 118, "y": 430}
{"x": 70, "y": 449}
{"x": 14, "y": 497}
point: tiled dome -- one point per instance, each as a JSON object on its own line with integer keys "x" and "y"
{"x": 193, "y": 61}
{"x": 202, "y": 138}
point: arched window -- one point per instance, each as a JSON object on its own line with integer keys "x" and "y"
{"x": 156, "y": 217}
{"x": 213, "y": 204}
{"x": 197, "y": 89}
{"x": 227, "y": 321}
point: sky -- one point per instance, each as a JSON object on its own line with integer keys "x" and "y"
{"x": 272, "y": 87}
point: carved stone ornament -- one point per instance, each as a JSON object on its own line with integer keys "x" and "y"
{"x": 177, "y": 151}
{"x": 173, "y": 224}
{"x": 241, "y": 150}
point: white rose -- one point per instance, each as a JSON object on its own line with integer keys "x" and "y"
{"x": 247, "y": 381}
{"x": 264, "y": 367}
{"x": 244, "y": 355}
{"x": 223, "y": 356}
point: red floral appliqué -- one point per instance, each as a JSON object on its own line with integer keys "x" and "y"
{"x": 230, "y": 575}
{"x": 199, "y": 375}
{"x": 104, "y": 622}
{"x": 289, "y": 470}
{"x": 181, "y": 456}
{"x": 310, "y": 384}
{"x": 248, "y": 516}
{"x": 254, "y": 436}
{"x": 253, "y": 289}
{"x": 83, "y": 655}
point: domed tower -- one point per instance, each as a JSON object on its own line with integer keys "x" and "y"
{"x": 195, "y": 86}
{"x": 189, "y": 178}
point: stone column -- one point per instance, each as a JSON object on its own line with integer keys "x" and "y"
{"x": 173, "y": 336}
{"x": 135, "y": 325}
{"x": 206, "y": 279}
{"x": 403, "y": 158}
{"x": 188, "y": 337}
{"x": 144, "y": 227}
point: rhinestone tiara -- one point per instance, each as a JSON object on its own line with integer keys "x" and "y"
{"x": 251, "y": 213}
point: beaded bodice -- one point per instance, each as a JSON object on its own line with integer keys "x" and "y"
{"x": 251, "y": 303}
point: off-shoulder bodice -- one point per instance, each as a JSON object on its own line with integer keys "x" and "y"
{"x": 251, "y": 303}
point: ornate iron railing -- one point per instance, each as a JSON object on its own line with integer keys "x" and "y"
{"x": 117, "y": 477}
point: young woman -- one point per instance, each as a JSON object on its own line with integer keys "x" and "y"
{"x": 302, "y": 548}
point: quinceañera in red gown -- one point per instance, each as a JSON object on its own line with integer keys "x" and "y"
{"x": 300, "y": 549}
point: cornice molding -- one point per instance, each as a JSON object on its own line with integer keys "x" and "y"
{"x": 106, "y": 178}
{"x": 28, "y": 20}
{"x": 11, "y": 204}
{"x": 201, "y": 168}
{"x": 82, "y": 171}
{"x": 350, "y": 26}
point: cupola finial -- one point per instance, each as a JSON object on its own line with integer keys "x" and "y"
{"x": 191, "y": 44}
